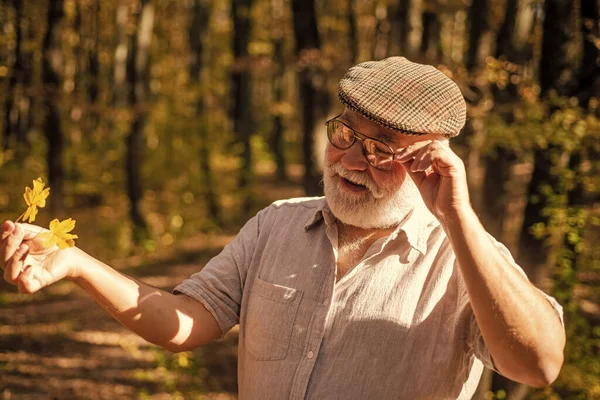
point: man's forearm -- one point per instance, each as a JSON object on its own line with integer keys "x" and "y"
{"x": 157, "y": 316}
{"x": 519, "y": 326}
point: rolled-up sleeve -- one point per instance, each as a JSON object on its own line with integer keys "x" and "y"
{"x": 474, "y": 338}
{"x": 220, "y": 284}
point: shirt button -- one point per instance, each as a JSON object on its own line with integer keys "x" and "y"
{"x": 310, "y": 355}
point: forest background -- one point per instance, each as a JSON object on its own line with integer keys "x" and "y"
{"x": 162, "y": 125}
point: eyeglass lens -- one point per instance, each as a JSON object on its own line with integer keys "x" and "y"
{"x": 377, "y": 153}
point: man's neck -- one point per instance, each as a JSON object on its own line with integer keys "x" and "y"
{"x": 352, "y": 233}
{"x": 353, "y": 242}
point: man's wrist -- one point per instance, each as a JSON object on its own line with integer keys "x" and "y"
{"x": 458, "y": 216}
{"x": 76, "y": 264}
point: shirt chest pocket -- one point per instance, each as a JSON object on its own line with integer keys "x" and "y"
{"x": 270, "y": 320}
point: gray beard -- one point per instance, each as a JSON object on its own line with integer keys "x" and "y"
{"x": 368, "y": 210}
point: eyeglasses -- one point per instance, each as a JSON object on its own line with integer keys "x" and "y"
{"x": 378, "y": 154}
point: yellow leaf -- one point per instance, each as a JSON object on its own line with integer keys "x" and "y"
{"x": 35, "y": 198}
{"x": 59, "y": 234}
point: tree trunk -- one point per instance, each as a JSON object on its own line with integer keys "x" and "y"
{"x": 555, "y": 68}
{"x": 52, "y": 65}
{"x": 352, "y": 32}
{"x": 499, "y": 165}
{"x": 497, "y": 177}
{"x": 478, "y": 24}
{"x": 92, "y": 50}
{"x": 406, "y": 31}
{"x": 197, "y": 31}
{"x": 382, "y": 32}
{"x": 138, "y": 73}
{"x": 77, "y": 51}
{"x": 431, "y": 43}
{"x": 122, "y": 48}
{"x": 94, "y": 64}
{"x": 398, "y": 17}
{"x": 12, "y": 115}
{"x": 415, "y": 29}
{"x": 514, "y": 45}
{"x": 504, "y": 40}
{"x": 533, "y": 253}
{"x": 240, "y": 79}
{"x": 485, "y": 385}
{"x": 589, "y": 76}
{"x": 566, "y": 279}
{"x": 277, "y": 138}
{"x": 312, "y": 86}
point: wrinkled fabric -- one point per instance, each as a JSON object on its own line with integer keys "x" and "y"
{"x": 399, "y": 325}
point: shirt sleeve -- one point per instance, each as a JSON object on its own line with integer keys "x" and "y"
{"x": 474, "y": 338}
{"x": 220, "y": 284}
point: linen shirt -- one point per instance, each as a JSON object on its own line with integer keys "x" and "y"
{"x": 399, "y": 325}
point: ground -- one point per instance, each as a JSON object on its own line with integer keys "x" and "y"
{"x": 58, "y": 344}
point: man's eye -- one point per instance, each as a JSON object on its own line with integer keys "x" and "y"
{"x": 380, "y": 148}
{"x": 347, "y": 135}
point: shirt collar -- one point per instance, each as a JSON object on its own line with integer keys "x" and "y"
{"x": 416, "y": 226}
{"x": 319, "y": 215}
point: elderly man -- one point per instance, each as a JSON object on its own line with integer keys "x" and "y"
{"x": 387, "y": 288}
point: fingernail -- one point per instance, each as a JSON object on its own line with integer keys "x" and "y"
{"x": 18, "y": 230}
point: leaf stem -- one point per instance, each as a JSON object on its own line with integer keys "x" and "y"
{"x": 20, "y": 216}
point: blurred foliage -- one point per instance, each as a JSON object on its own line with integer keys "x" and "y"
{"x": 563, "y": 130}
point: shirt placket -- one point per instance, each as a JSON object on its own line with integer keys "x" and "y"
{"x": 316, "y": 328}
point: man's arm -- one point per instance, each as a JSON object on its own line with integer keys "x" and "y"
{"x": 175, "y": 322}
{"x": 521, "y": 330}
{"x": 519, "y": 326}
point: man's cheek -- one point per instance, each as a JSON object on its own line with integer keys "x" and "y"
{"x": 332, "y": 155}
{"x": 391, "y": 181}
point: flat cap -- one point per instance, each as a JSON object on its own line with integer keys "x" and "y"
{"x": 412, "y": 98}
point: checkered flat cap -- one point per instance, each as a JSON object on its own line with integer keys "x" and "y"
{"x": 412, "y": 98}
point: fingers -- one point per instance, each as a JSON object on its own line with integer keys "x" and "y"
{"x": 411, "y": 151}
{"x": 417, "y": 176}
{"x": 13, "y": 255}
{"x": 422, "y": 159}
{"x": 435, "y": 154}
{"x": 7, "y": 228}
{"x": 10, "y": 243}
{"x": 31, "y": 231}
{"x": 28, "y": 281}
{"x": 435, "y": 158}
{"x": 14, "y": 266}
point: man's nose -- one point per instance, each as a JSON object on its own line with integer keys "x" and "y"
{"x": 354, "y": 159}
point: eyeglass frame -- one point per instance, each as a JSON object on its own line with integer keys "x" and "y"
{"x": 361, "y": 137}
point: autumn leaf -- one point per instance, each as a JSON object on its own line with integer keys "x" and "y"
{"x": 35, "y": 198}
{"x": 59, "y": 234}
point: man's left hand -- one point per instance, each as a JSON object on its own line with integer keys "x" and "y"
{"x": 440, "y": 176}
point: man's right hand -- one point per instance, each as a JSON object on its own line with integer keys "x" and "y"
{"x": 176, "y": 322}
{"x": 29, "y": 265}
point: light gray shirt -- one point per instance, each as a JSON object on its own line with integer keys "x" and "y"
{"x": 399, "y": 325}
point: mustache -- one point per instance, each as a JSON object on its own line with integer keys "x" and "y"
{"x": 359, "y": 178}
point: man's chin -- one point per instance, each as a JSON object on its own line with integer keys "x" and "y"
{"x": 362, "y": 210}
